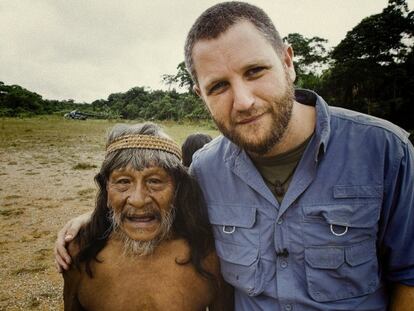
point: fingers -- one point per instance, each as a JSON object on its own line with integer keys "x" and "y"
{"x": 62, "y": 257}
{"x": 59, "y": 266}
{"x": 64, "y": 237}
{"x": 70, "y": 234}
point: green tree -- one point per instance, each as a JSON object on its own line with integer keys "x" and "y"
{"x": 310, "y": 54}
{"x": 311, "y": 59}
{"x": 371, "y": 71}
{"x": 182, "y": 78}
{"x": 17, "y": 101}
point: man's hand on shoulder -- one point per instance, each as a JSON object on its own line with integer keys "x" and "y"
{"x": 66, "y": 235}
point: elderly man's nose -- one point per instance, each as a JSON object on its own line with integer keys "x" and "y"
{"x": 243, "y": 99}
{"x": 137, "y": 197}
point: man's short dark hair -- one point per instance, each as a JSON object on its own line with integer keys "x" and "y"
{"x": 220, "y": 17}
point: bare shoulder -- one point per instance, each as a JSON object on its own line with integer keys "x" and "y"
{"x": 180, "y": 248}
{"x": 224, "y": 298}
{"x": 212, "y": 263}
{"x": 74, "y": 272}
{"x": 73, "y": 275}
{"x": 72, "y": 279}
{"x": 73, "y": 248}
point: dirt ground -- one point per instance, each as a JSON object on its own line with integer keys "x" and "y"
{"x": 47, "y": 167}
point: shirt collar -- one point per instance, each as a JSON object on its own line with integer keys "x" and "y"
{"x": 323, "y": 126}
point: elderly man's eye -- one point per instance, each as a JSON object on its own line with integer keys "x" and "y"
{"x": 123, "y": 181}
{"x": 154, "y": 181}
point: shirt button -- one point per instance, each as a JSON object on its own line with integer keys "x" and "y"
{"x": 288, "y": 307}
{"x": 283, "y": 264}
{"x": 280, "y": 221}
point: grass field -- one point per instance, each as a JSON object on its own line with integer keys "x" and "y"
{"x": 47, "y": 166}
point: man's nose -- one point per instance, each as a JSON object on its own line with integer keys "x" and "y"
{"x": 242, "y": 96}
{"x": 138, "y": 196}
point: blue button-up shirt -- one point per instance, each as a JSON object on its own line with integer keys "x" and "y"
{"x": 344, "y": 229}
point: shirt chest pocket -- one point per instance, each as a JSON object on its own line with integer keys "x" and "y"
{"x": 351, "y": 217}
{"x": 237, "y": 245}
{"x": 340, "y": 244}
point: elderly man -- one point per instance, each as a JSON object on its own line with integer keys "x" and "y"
{"x": 312, "y": 206}
{"x": 148, "y": 245}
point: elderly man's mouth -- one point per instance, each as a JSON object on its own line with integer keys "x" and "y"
{"x": 142, "y": 221}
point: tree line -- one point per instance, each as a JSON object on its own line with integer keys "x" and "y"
{"x": 371, "y": 70}
{"x": 136, "y": 103}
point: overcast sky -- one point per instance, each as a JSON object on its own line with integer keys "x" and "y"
{"x": 86, "y": 50}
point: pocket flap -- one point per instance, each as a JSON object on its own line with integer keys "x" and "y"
{"x": 237, "y": 254}
{"x": 354, "y": 215}
{"x": 324, "y": 258}
{"x": 367, "y": 191}
{"x": 360, "y": 253}
{"x": 232, "y": 215}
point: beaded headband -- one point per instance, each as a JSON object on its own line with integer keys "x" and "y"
{"x": 139, "y": 141}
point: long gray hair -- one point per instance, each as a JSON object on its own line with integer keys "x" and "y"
{"x": 191, "y": 218}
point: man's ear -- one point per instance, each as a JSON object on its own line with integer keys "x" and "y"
{"x": 288, "y": 61}
{"x": 197, "y": 90}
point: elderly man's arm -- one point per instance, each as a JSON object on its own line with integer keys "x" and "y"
{"x": 72, "y": 279}
{"x": 224, "y": 299}
{"x": 224, "y": 292}
{"x": 66, "y": 235}
{"x": 71, "y": 301}
{"x": 402, "y": 298}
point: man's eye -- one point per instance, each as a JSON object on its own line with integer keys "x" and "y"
{"x": 255, "y": 71}
{"x": 123, "y": 181}
{"x": 217, "y": 88}
{"x": 154, "y": 181}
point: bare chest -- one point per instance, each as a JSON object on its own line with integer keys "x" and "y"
{"x": 156, "y": 283}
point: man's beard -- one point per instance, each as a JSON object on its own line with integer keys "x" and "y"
{"x": 136, "y": 247}
{"x": 281, "y": 112}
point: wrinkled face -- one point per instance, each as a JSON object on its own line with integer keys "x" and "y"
{"x": 246, "y": 86}
{"x": 141, "y": 202}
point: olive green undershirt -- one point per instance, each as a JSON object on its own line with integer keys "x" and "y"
{"x": 280, "y": 167}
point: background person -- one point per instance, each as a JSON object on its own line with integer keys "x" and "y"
{"x": 191, "y": 144}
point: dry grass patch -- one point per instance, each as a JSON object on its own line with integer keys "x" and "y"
{"x": 38, "y": 234}
{"x": 86, "y": 192}
{"x": 30, "y": 270}
{"x": 11, "y": 212}
{"x": 84, "y": 166}
{"x": 31, "y": 173}
{"x": 13, "y": 196}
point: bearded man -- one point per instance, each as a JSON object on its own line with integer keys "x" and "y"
{"x": 148, "y": 245}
